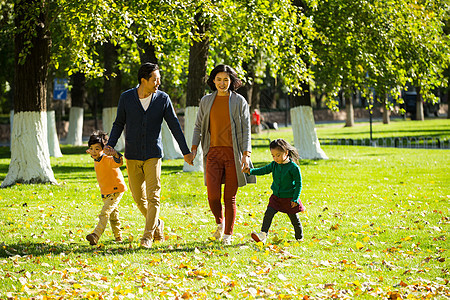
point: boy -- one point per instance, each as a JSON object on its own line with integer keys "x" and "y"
{"x": 112, "y": 186}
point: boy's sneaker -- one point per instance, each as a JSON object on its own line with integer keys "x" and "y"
{"x": 158, "y": 235}
{"x": 259, "y": 237}
{"x": 218, "y": 234}
{"x": 227, "y": 238}
{"x": 147, "y": 243}
{"x": 92, "y": 238}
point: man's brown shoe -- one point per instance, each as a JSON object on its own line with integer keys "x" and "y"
{"x": 158, "y": 235}
{"x": 92, "y": 238}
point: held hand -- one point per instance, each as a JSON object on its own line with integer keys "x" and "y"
{"x": 110, "y": 151}
{"x": 194, "y": 153}
{"x": 245, "y": 162}
{"x": 189, "y": 158}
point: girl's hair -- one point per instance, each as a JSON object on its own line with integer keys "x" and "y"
{"x": 282, "y": 145}
{"x": 235, "y": 81}
{"x": 98, "y": 137}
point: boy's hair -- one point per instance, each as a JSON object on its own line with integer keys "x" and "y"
{"x": 98, "y": 137}
{"x": 285, "y": 146}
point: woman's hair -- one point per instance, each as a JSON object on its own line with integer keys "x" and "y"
{"x": 98, "y": 137}
{"x": 282, "y": 145}
{"x": 145, "y": 71}
{"x": 235, "y": 81}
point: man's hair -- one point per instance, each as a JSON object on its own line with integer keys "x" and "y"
{"x": 98, "y": 137}
{"x": 145, "y": 71}
{"x": 235, "y": 81}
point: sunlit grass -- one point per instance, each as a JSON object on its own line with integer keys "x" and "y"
{"x": 376, "y": 226}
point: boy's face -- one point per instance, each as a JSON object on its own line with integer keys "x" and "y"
{"x": 95, "y": 150}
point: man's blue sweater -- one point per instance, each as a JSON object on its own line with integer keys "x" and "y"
{"x": 143, "y": 127}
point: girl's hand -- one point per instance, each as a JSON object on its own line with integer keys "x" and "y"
{"x": 293, "y": 204}
{"x": 246, "y": 170}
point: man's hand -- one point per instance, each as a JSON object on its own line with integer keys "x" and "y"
{"x": 189, "y": 158}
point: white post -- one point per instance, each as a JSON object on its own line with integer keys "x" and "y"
{"x": 190, "y": 115}
{"x": 171, "y": 149}
{"x": 30, "y": 159}
{"x": 108, "y": 117}
{"x": 52, "y": 136}
{"x": 75, "y": 134}
{"x": 305, "y": 136}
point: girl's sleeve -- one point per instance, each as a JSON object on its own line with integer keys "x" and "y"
{"x": 263, "y": 170}
{"x": 297, "y": 179}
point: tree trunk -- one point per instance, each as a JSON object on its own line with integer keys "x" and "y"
{"x": 386, "y": 111}
{"x": 419, "y": 106}
{"x": 303, "y": 126}
{"x": 79, "y": 96}
{"x": 30, "y": 159}
{"x": 53, "y": 141}
{"x": 147, "y": 52}
{"x": 350, "y": 115}
{"x": 198, "y": 57}
{"x": 112, "y": 87}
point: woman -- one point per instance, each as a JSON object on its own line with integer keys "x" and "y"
{"x": 223, "y": 128}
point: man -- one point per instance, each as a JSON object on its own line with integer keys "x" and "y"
{"x": 142, "y": 110}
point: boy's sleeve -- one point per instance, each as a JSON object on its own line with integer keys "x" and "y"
{"x": 267, "y": 169}
{"x": 116, "y": 162}
{"x": 297, "y": 179}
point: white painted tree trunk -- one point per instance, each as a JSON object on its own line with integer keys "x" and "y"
{"x": 108, "y": 117}
{"x": 305, "y": 136}
{"x": 11, "y": 122}
{"x": 30, "y": 159}
{"x": 190, "y": 115}
{"x": 75, "y": 134}
{"x": 171, "y": 149}
{"x": 52, "y": 136}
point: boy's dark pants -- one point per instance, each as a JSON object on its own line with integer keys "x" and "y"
{"x": 295, "y": 220}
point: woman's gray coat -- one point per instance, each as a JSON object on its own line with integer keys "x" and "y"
{"x": 240, "y": 131}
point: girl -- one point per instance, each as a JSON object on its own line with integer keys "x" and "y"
{"x": 286, "y": 187}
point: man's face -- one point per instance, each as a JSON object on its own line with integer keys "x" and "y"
{"x": 151, "y": 85}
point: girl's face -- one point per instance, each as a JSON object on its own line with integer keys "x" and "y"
{"x": 95, "y": 150}
{"x": 279, "y": 156}
{"x": 222, "y": 82}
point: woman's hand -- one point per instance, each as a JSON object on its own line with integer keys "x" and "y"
{"x": 245, "y": 162}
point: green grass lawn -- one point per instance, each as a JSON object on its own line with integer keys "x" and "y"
{"x": 376, "y": 227}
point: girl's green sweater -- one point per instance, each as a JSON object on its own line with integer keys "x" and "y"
{"x": 287, "y": 179}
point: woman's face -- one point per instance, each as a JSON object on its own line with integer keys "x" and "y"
{"x": 222, "y": 82}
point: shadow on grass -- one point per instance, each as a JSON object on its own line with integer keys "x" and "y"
{"x": 106, "y": 248}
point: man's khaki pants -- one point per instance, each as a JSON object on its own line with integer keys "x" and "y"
{"x": 144, "y": 178}
{"x": 109, "y": 212}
